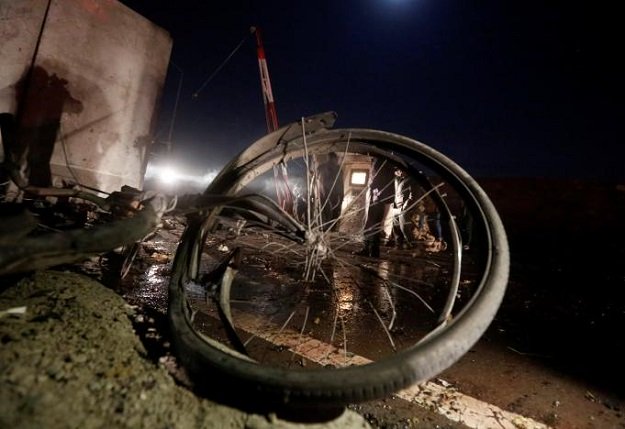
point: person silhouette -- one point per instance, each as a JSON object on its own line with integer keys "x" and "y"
{"x": 401, "y": 204}
{"x": 381, "y": 198}
{"x": 331, "y": 192}
{"x": 42, "y": 100}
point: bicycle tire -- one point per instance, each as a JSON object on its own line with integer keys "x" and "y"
{"x": 204, "y": 359}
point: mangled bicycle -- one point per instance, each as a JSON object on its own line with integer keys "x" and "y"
{"x": 284, "y": 303}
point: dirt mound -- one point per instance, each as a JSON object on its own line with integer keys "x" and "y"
{"x": 72, "y": 359}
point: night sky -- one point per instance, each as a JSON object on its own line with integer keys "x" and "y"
{"x": 507, "y": 89}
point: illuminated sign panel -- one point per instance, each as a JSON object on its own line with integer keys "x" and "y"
{"x": 359, "y": 178}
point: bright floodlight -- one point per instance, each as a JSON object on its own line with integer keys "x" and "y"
{"x": 168, "y": 175}
{"x": 358, "y": 178}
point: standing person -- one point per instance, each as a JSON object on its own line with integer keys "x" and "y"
{"x": 331, "y": 192}
{"x": 299, "y": 203}
{"x": 434, "y": 216}
{"x": 428, "y": 221}
{"x": 420, "y": 220}
{"x": 403, "y": 198}
{"x": 381, "y": 197}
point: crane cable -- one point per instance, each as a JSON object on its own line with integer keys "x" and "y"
{"x": 224, "y": 62}
{"x": 283, "y": 189}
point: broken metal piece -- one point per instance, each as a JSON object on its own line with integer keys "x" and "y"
{"x": 66, "y": 247}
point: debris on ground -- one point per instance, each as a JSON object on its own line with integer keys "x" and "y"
{"x": 73, "y": 359}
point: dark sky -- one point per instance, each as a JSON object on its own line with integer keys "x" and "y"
{"x": 523, "y": 88}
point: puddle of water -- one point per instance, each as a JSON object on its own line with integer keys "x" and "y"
{"x": 355, "y": 305}
{"x": 348, "y": 307}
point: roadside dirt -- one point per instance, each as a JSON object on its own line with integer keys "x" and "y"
{"x": 72, "y": 359}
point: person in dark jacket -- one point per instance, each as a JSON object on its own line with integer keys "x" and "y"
{"x": 331, "y": 192}
{"x": 381, "y": 199}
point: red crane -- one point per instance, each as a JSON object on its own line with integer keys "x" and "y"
{"x": 270, "y": 106}
{"x": 283, "y": 190}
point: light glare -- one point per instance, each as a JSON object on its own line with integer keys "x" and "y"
{"x": 168, "y": 175}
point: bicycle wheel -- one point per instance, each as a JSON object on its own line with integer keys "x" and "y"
{"x": 315, "y": 305}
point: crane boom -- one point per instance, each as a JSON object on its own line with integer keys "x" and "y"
{"x": 271, "y": 114}
{"x": 281, "y": 178}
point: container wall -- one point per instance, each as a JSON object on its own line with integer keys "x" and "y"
{"x": 21, "y": 23}
{"x": 90, "y": 97}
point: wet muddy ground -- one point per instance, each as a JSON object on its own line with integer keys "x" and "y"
{"x": 555, "y": 350}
